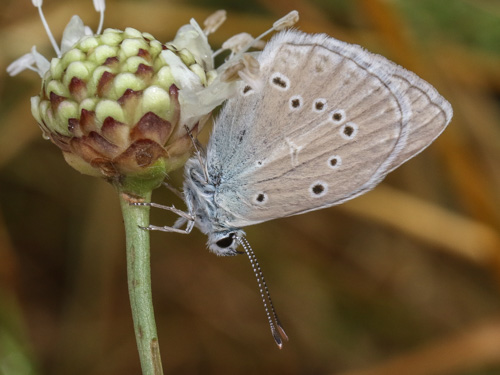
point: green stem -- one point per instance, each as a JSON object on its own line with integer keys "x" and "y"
{"x": 139, "y": 283}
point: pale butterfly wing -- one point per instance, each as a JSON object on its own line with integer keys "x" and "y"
{"x": 430, "y": 113}
{"x": 329, "y": 123}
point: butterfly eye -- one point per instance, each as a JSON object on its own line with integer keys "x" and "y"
{"x": 226, "y": 241}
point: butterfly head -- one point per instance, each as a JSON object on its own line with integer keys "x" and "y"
{"x": 225, "y": 242}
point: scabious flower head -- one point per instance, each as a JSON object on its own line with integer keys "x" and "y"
{"x": 121, "y": 103}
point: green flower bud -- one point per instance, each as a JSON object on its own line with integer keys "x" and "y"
{"x": 121, "y": 105}
{"x": 113, "y": 109}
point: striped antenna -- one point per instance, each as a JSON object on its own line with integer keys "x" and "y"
{"x": 276, "y": 328}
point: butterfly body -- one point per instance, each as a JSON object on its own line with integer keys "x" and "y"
{"x": 200, "y": 196}
{"x": 327, "y": 123}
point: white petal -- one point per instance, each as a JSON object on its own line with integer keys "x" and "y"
{"x": 194, "y": 39}
{"x": 74, "y": 31}
{"x": 184, "y": 78}
{"x": 201, "y": 102}
{"x": 88, "y": 31}
{"x": 41, "y": 62}
{"x": 197, "y": 28}
{"x": 22, "y": 63}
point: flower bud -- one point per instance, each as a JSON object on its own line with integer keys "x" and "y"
{"x": 111, "y": 104}
{"x": 123, "y": 106}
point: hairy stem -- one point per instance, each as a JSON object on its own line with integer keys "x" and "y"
{"x": 139, "y": 283}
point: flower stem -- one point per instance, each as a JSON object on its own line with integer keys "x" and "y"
{"x": 139, "y": 283}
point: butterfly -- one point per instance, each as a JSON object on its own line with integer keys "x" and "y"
{"x": 326, "y": 123}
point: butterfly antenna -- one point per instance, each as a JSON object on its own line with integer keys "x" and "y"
{"x": 276, "y": 328}
{"x": 200, "y": 152}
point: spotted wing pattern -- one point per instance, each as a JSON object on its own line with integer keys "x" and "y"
{"x": 330, "y": 121}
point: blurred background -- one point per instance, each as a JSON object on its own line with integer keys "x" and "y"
{"x": 404, "y": 280}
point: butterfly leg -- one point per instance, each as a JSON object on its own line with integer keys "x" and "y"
{"x": 187, "y": 230}
{"x": 185, "y": 217}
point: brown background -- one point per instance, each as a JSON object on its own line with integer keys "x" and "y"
{"x": 404, "y": 280}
